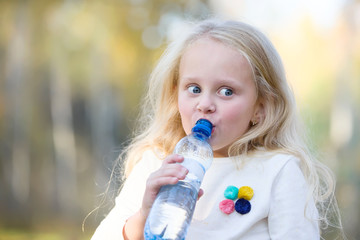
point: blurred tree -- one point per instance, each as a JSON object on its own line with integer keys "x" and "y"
{"x": 71, "y": 76}
{"x": 16, "y": 131}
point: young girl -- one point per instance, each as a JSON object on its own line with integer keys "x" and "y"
{"x": 229, "y": 73}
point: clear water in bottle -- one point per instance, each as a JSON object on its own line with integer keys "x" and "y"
{"x": 172, "y": 211}
{"x": 169, "y": 220}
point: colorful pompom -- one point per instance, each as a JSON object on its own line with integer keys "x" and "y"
{"x": 227, "y": 206}
{"x": 246, "y": 193}
{"x": 242, "y": 206}
{"x": 231, "y": 192}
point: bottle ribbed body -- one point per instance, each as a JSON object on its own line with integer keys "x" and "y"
{"x": 172, "y": 211}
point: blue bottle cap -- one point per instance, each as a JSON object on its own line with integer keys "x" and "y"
{"x": 203, "y": 126}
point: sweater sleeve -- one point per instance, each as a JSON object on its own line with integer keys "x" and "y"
{"x": 292, "y": 215}
{"x": 128, "y": 202}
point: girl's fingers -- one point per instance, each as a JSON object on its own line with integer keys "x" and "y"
{"x": 153, "y": 186}
{"x": 169, "y": 173}
{"x": 166, "y": 175}
{"x": 157, "y": 183}
{"x": 173, "y": 158}
{"x": 169, "y": 168}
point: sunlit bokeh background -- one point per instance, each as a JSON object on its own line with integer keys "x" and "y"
{"x": 72, "y": 74}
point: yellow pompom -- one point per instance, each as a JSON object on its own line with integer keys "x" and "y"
{"x": 246, "y": 193}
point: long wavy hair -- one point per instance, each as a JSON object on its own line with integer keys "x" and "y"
{"x": 159, "y": 124}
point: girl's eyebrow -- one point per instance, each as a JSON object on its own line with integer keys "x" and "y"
{"x": 221, "y": 81}
{"x": 227, "y": 80}
{"x": 189, "y": 79}
{"x": 231, "y": 82}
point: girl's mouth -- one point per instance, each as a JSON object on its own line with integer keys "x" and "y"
{"x": 213, "y": 126}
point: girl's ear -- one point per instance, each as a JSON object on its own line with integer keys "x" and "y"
{"x": 259, "y": 113}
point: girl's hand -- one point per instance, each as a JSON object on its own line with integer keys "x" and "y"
{"x": 168, "y": 173}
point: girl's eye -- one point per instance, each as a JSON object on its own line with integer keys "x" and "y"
{"x": 226, "y": 92}
{"x": 194, "y": 89}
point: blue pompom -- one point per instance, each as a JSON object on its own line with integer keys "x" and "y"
{"x": 242, "y": 206}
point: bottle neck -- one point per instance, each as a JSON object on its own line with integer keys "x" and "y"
{"x": 200, "y": 136}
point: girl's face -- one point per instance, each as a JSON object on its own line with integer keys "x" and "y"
{"x": 215, "y": 83}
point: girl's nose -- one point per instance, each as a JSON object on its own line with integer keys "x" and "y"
{"x": 206, "y": 105}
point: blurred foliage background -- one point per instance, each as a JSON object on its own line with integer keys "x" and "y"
{"x": 72, "y": 73}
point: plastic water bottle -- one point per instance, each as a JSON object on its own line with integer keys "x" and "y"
{"x": 172, "y": 211}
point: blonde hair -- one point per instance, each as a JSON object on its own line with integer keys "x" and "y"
{"x": 160, "y": 124}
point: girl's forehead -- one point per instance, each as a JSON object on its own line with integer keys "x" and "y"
{"x": 211, "y": 39}
{"x": 203, "y": 39}
{"x": 210, "y": 42}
